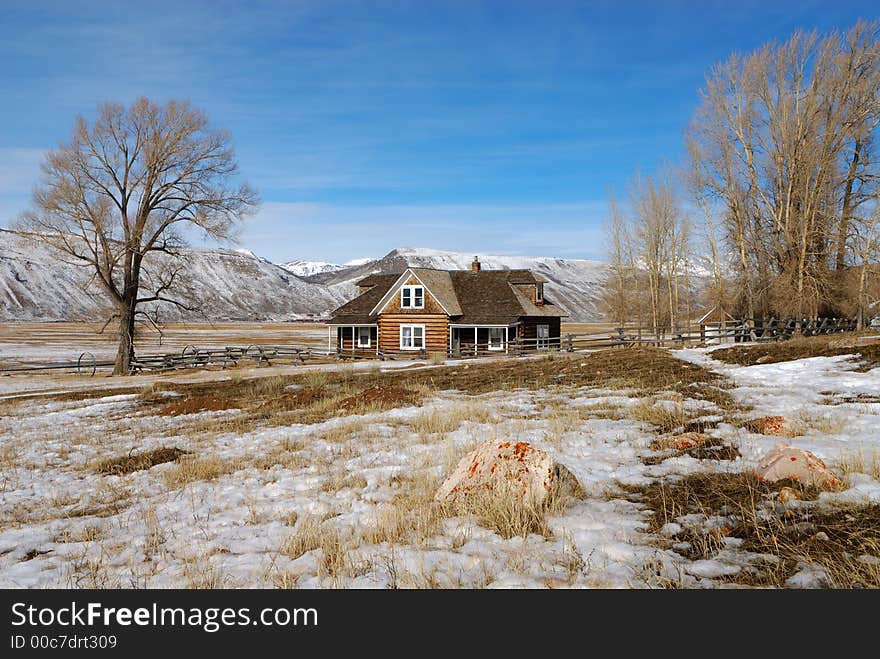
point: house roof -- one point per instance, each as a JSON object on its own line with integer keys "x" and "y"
{"x": 358, "y": 309}
{"x": 477, "y": 298}
{"x": 436, "y": 281}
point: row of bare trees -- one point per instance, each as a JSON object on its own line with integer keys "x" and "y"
{"x": 784, "y": 176}
{"x": 650, "y": 255}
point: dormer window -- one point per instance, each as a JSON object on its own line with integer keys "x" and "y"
{"x": 539, "y": 293}
{"x": 412, "y": 297}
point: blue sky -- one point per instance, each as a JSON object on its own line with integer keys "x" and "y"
{"x": 483, "y": 127}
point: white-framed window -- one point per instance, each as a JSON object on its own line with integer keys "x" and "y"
{"x": 412, "y": 337}
{"x": 363, "y": 337}
{"x": 543, "y": 337}
{"x": 496, "y": 338}
{"x": 539, "y": 293}
{"x": 412, "y": 297}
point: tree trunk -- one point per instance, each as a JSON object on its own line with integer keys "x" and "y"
{"x": 125, "y": 351}
{"x": 846, "y": 211}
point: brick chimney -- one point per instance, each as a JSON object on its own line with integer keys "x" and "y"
{"x": 475, "y": 266}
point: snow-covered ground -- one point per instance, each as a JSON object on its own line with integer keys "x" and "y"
{"x": 838, "y": 407}
{"x": 353, "y": 477}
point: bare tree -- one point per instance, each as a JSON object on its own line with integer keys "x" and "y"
{"x": 781, "y": 145}
{"x": 868, "y": 249}
{"x": 649, "y": 247}
{"x": 619, "y": 294}
{"x": 123, "y": 189}
{"x": 662, "y": 244}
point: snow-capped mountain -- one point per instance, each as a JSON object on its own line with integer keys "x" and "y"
{"x": 220, "y": 284}
{"x": 303, "y": 268}
{"x": 227, "y": 284}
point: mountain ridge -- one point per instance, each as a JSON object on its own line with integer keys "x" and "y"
{"x": 235, "y": 284}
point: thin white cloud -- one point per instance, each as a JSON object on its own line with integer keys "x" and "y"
{"x": 285, "y": 231}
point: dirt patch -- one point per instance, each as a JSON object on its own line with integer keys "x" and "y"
{"x": 642, "y": 370}
{"x": 836, "y": 398}
{"x": 32, "y": 554}
{"x": 128, "y": 464}
{"x": 798, "y": 348}
{"x": 194, "y": 405}
{"x": 381, "y": 396}
{"x": 843, "y": 542}
{"x": 712, "y": 448}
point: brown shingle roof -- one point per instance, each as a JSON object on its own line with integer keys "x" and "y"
{"x": 488, "y": 297}
{"x": 357, "y": 311}
{"x": 439, "y": 283}
{"x": 480, "y": 298}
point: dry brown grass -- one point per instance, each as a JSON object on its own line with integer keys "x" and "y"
{"x": 132, "y": 462}
{"x": 797, "y": 348}
{"x": 447, "y": 419}
{"x": 860, "y": 462}
{"x": 340, "y": 480}
{"x": 413, "y": 515}
{"x": 844, "y": 542}
{"x": 194, "y": 405}
{"x": 191, "y": 469}
{"x": 664, "y": 418}
{"x": 281, "y": 400}
{"x": 713, "y": 448}
{"x": 639, "y": 369}
{"x": 305, "y": 537}
{"x": 344, "y": 432}
{"x": 337, "y": 559}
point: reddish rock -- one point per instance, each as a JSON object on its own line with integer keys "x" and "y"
{"x": 790, "y": 463}
{"x": 508, "y": 468}
{"x": 773, "y": 425}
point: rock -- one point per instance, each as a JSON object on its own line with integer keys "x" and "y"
{"x": 764, "y": 359}
{"x": 773, "y": 425}
{"x": 821, "y": 536}
{"x": 682, "y": 441}
{"x": 787, "y": 494}
{"x": 787, "y": 462}
{"x": 508, "y": 468}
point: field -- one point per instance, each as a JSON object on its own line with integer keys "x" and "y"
{"x": 36, "y": 343}
{"x": 46, "y": 342}
{"x": 324, "y": 475}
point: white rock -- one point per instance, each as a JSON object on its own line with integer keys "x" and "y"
{"x": 508, "y": 468}
{"x": 787, "y": 462}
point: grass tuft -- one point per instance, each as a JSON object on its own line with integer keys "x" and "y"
{"x": 132, "y": 462}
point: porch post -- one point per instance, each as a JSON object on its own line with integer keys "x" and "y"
{"x": 330, "y": 338}
{"x": 475, "y": 341}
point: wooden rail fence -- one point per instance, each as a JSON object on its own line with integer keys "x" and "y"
{"x": 744, "y": 330}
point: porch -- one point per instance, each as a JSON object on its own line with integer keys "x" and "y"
{"x": 481, "y": 339}
{"x": 355, "y": 339}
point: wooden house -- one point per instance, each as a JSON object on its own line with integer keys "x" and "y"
{"x": 423, "y": 310}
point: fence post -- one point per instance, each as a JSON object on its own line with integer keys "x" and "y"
{"x": 570, "y": 343}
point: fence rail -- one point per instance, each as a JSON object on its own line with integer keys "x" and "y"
{"x": 743, "y": 330}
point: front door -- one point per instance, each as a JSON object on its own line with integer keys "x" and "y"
{"x": 543, "y": 337}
